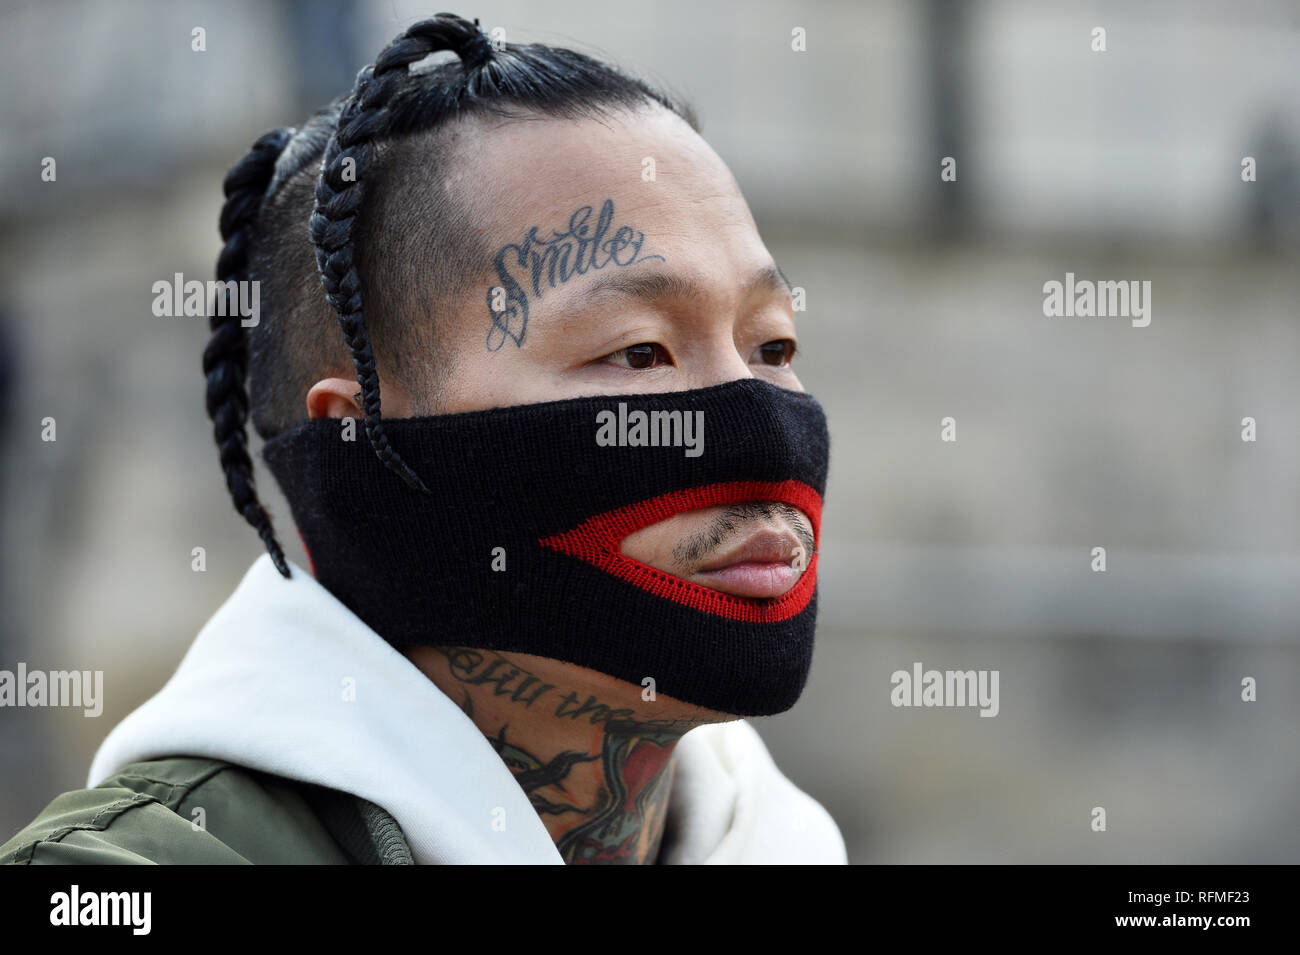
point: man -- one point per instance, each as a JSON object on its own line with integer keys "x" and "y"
{"x": 578, "y": 543}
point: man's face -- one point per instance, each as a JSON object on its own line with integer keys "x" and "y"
{"x": 698, "y": 302}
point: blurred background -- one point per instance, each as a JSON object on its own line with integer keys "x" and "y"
{"x": 924, "y": 300}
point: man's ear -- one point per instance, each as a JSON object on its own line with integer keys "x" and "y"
{"x": 334, "y": 398}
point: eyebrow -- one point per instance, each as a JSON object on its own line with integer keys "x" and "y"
{"x": 654, "y": 284}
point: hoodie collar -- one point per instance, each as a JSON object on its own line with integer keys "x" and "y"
{"x": 286, "y": 680}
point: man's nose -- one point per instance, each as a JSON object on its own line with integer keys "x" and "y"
{"x": 718, "y": 363}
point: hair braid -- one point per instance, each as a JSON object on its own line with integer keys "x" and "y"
{"x": 363, "y": 119}
{"x": 225, "y": 359}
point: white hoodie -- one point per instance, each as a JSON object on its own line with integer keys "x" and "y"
{"x": 263, "y": 686}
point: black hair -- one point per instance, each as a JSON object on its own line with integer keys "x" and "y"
{"x": 365, "y": 142}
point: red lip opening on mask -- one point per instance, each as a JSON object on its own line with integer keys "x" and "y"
{"x": 597, "y": 539}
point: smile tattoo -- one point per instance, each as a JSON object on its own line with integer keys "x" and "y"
{"x": 547, "y": 263}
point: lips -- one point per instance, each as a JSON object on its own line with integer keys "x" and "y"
{"x": 758, "y": 568}
{"x": 764, "y": 547}
{"x": 765, "y": 579}
{"x": 761, "y": 565}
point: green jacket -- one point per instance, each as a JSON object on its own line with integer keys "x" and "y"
{"x": 190, "y": 811}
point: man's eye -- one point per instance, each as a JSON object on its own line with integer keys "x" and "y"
{"x": 644, "y": 355}
{"x": 778, "y": 353}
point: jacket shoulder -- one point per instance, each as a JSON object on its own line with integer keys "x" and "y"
{"x": 179, "y": 810}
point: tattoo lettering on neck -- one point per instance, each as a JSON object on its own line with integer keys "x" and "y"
{"x": 508, "y": 679}
{"x": 540, "y": 263}
{"x": 476, "y": 669}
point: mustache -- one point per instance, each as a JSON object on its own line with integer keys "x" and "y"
{"x": 726, "y": 525}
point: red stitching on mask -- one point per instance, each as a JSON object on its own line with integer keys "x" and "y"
{"x": 597, "y": 539}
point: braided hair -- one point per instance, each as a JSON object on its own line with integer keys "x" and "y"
{"x": 225, "y": 358}
{"x": 389, "y": 101}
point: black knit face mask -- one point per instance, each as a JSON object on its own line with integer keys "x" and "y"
{"x": 517, "y": 548}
